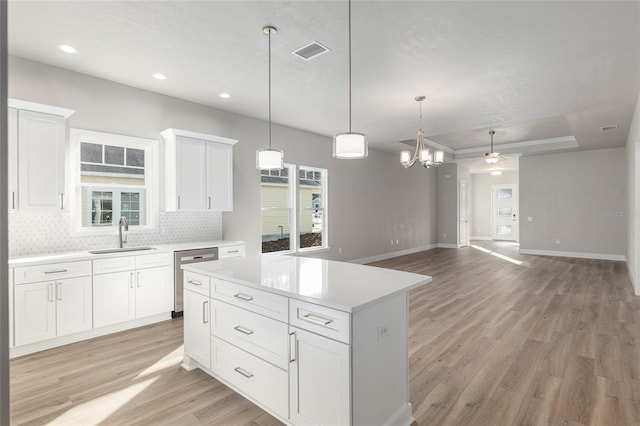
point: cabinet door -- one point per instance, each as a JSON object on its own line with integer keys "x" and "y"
{"x": 190, "y": 174}
{"x": 41, "y": 143}
{"x": 154, "y": 291}
{"x": 73, "y": 305}
{"x": 113, "y": 298}
{"x": 219, "y": 176}
{"x": 319, "y": 380}
{"x": 35, "y": 312}
{"x": 196, "y": 328}
{"x": 12, "y": 157}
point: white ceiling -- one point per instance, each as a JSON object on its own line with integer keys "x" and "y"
{"x": 531, "y": 70}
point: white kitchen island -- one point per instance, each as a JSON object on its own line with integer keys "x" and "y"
{"x": 311, "y": 341}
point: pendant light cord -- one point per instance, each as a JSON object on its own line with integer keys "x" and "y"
{"x": 269, "y": 89}
{"x": 349, "y": 66}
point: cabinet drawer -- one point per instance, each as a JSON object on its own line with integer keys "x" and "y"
{"x": 52, "y": 271}
{"x": 320, "y": 320}
{"x": 114, "y": 264}
{"x": 267, "y": 304}
{"x": 196, "y": 283}
{"x": 263, "y": 337}
{"x": 154, "y": 260}
{"x": 251, "y": 375}
{"x": 230, "y": 251}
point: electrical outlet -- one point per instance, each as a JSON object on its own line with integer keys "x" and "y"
{"x": 557, "y": 240}
{"x": 397, "y": 242}
{"x": 391, "y": 242}
{"x": 339, "y": 250}
{"x": 530, "y": 219}
{"x": 383, "y": 332}
{"x": 444, "y": 235}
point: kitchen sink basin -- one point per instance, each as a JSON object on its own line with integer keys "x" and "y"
{"x": 119, "y": 250}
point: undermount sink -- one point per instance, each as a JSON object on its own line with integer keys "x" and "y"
{"x": 118, "y": 250}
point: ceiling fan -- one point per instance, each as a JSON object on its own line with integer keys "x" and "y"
{"x": 492, "y": 157}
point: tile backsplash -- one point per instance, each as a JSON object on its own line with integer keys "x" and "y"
{"x": 36, "y": 233}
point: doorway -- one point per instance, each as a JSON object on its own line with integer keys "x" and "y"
{"x": 504, "y": 212}
{"x": 463, "y": 232}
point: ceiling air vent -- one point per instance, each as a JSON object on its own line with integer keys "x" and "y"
{"x": 607, "y": 128}
{"x": 310, "y": 51}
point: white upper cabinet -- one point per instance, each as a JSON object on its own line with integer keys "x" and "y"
{"x": 37, "y": 139}
{"x": 198, "y": 171}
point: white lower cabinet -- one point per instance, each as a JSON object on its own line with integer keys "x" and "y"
{"x": 49, "y": 309}
{"x": 154, "y": 291}
{"x": 114, "y": 298}
{"x": 319, "y": 380}
{"x": 196, "y": 328}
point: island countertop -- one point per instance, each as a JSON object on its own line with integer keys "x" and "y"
{"x": 345, "y": 286}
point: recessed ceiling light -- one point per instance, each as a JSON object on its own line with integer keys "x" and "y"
{"x": 225, "y": 95}
{"x": 496, "y": 173}
{"x": 159, "y": 76}
{"x": 67, "y": 49}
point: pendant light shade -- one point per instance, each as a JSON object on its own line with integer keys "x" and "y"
{"x": 269, "y": 158}
{"x": 350, "y": 145}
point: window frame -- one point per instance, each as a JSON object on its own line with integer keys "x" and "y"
{"x": 75, "y": 186}
{"x": 323, "y": 187}
{"x": 292, "y": 209}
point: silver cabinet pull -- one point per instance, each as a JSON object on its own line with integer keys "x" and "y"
{"x": 50, "y": 291}
{"x": 178, "y": 202}
{"x": 194, "y": 282}
{"x": 243, "y": 330}
{"x": 59, "y": 271}
{"x": 59, "y": 291}
{"x": 13, "y": 199}
{"x": 205, "y": 317}
{"x": 244, "y": 297}
{"x": 315, "y": 319}
{"x": 138, "y": 279}
{"x": 292, "y": 347}
{"x": 61, "y": 201}
{"x": 209, "y": 202}
{"x": 245, "y": 373}
{"x": 131, "y": 280}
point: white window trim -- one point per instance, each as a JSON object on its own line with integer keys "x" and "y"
{"x": 74, "y": 188}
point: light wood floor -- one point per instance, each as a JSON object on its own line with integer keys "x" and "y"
{"x": 550, "y": 341}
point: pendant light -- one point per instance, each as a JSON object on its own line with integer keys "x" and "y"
{"x": 423, "y": 154}
{"x": 492, "y": 157}
{"x": 350, "y": 145}
{"x": 269, "y": 158}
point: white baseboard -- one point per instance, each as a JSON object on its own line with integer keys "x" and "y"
{"x": 84, "y": 335}
{"x": 393, "y": 254}
{"x": 578, "y": 255}
{"x": 443, "y": 245}
{"x": 480, "y": 238}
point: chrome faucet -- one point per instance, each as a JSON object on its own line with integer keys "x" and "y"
{"x": 123, "y": 223}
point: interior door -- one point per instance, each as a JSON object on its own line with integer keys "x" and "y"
{"x": 504, "y": 212}
{"x": 464, "y": 214}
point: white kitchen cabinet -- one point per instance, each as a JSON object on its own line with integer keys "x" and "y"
{"x": 196, "y": 328}
{"x": 131, "y": 287}
{"x": 198, "y": 171}
{"x": 54, "y": 307}
{"x": 319, "y": 380}
{"x": 36, "y": 155}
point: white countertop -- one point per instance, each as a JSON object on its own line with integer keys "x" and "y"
{"x": 85, "y": 255}
{"x": 340, "y": 285}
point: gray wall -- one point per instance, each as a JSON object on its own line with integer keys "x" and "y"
{"x": 481, "y": 201}
{"x": 448, "y": 205}
{"x": 370, "y": 201}
{"x": 633, "y": 192}
{"x": 578, "y": 197}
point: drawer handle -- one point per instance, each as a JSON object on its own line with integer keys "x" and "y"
{"x": 243, "y": 297}
{"x": 243, "y": 330}
{"x": 194, "y": 282}
{"x": 233, "y": 251}
{"x": 245, "y": 373}
{"x": 205, "y": 311}
{"x": 55, "y": 272}
{"x": 315, "y": 319}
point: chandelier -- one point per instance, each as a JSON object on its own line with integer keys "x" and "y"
{"x": 422, "y": 154}
{"x": 492, "y": 157}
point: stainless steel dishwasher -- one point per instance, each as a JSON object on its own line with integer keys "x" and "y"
{"x": 184, "y": 257}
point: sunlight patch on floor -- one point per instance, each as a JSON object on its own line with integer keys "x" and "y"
{"x": 172, "y": 359}
{"x": 99, "y": 409}
{"x": 498, "y": 255}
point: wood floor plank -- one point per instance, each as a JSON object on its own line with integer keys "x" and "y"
{"x": 553, "y": 341}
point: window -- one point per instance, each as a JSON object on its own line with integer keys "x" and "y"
{"x": 285, "y": 228}
{"x": 114, "y": 177}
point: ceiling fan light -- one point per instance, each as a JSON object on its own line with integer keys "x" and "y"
{"x": 492, "y": 158}
{"x": 438, "y": 158}
{"x": 267, "y": 159}
{"x": 350, "y": 145}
